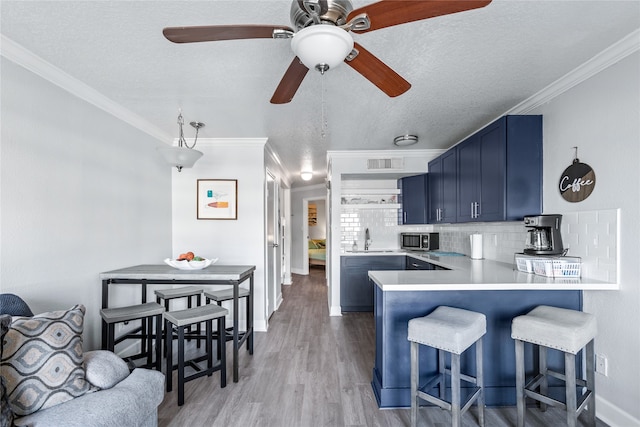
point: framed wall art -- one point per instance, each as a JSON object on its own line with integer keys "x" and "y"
{"x": 217, "y": 199}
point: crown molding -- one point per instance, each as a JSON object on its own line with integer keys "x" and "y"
{"x": 338, "y": 154}
{"x": 613, "y": 54}
{"x": 28, "y": 60}
{"x": 227, "y": 142}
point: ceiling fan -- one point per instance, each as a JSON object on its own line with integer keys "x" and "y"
{"x": 321, "y": 39}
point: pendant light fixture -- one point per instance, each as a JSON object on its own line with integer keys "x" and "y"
{"x": 183, "y": 155}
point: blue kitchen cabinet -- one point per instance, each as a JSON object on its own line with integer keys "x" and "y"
{"x": 442, "y": 188}
{"x": 356, "y": 291}
{"x": 500, "y": 171}
{"x": 414, "y": 199}
{"x": 391, "y": 379}
{"x": 417, "y": 264}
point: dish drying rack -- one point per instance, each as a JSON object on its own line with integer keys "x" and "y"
{"x": 554, "y": 267}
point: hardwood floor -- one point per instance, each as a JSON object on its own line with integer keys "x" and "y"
{"x": 311, "y": 370}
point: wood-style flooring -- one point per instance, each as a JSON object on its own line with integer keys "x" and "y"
{"x": 310, "y": 369}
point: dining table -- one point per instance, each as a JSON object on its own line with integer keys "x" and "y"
{"x": 163, "y": 274}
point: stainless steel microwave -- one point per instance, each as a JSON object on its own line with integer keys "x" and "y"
{"x": 420, "y": 241}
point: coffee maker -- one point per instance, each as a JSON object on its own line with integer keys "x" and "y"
{"x": 543, "y": 237}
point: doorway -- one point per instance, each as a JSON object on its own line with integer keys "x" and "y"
{"x": 273, "y": 249}
{"x": 315, "y": 229}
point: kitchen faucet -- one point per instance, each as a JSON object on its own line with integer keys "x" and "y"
{"x": 367, "y": 239}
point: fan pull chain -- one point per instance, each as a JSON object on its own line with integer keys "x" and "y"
{"x": 323, "y": 125}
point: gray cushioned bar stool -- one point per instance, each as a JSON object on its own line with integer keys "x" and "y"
{"x": 568, "y": 331}
{"x": 451, "y": 330}
{"x": 146, "y": 313}
{"x": 188, "y": 292}
{"x": 220, "y": 295}
{"x": 181, "y": 320}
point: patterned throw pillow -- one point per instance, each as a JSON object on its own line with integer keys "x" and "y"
{"x": 42, "y": 360}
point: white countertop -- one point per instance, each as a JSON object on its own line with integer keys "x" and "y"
{"x": 468, "y": 274}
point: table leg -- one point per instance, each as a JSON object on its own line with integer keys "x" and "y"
{"x": 250, "y": 316}
{"x": 105, "y": 303}
{"x": 235, "y": 331}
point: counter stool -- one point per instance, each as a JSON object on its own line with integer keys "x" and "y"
{"x": 227, "y": 295}
{"x": 451, "y": 330}
{"x": 568, "y": 331}
{"x": 181, "y": 320}
{"x": 145, "y": 313}
{"x": 187, "y": 292}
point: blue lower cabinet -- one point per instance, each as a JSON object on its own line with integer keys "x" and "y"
{"x": 416, "y": 264}
{"x": 393, "y": 310}
{"x": 356, "y": 291}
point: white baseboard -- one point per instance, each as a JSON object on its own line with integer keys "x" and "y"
{"x": 335, "y": 310}
{"x": 260, "y": 326}
{"x": 299, "y": 271}
{"x": 614, "y": 416}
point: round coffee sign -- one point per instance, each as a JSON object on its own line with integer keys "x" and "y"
{"x": 577, "y": 182}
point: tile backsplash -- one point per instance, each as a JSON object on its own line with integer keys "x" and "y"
{"x": 591, "y": 235}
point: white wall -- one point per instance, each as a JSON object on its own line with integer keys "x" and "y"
{"x": 235, "y": 242}
{"x": 601, "y": 116}
{"x": 81, "y": 192}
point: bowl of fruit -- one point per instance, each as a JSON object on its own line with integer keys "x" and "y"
{"x": 188, "y": 261}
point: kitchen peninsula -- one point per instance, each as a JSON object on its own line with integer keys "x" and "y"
{"x": 489, "y": 287}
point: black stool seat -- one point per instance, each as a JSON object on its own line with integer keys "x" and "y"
{"x": 221, "y": 295}
{"x": 187, "y": 292}
{"x": 182, "y": 319}
{"x": 145, "y": 313}
{"x": 183, "y": 291}
{"x": 225, "y": 294}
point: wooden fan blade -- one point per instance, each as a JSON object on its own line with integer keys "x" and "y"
{"x": 378, "y": 73}
{"x": 290, "y": 82}
{"x": 212, "y": 33}
{"x": 387, "y": 13}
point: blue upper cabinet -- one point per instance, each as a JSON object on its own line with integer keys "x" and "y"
{"x": 500, "y": 171}
{"x": 414, "y": 199}
{"x": 442, "y": 188}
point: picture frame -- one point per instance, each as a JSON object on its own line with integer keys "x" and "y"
{"x": 217, "y": 199}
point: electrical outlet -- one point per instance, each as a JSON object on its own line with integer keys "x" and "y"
{"x": 601, "y": 364}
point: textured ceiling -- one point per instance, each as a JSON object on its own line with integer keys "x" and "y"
{"x": 465, "y": 69}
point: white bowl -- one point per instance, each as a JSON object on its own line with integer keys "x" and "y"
{"x": 190, "y": 265}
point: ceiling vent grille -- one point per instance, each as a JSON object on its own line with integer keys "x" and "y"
{"x": 385, "y": 164}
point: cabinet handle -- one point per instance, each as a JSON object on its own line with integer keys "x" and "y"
{"x": 477, "y": 210}
{"x": 472, "y": 210}
{"x": 439, "y": 214}
{"x": 404, "y": 217}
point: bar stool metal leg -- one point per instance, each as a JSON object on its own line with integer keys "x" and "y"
{"x": 480, "y": 381}
{"x": 520, "y": 401}
{"x": 415, "y": 402}
{"x": 442, "y": 371}
{"x": 455, "y": 390}
{"x": 570, "y": 378}
{"x": 591, "y": 380}
{"x": 543, "y": 370}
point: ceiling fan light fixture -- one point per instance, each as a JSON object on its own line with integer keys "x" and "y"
{"x": 405, "y": 140}
{"x": 322, "y": 46}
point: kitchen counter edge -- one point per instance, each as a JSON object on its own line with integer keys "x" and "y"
{"x": 467, "y": 274}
